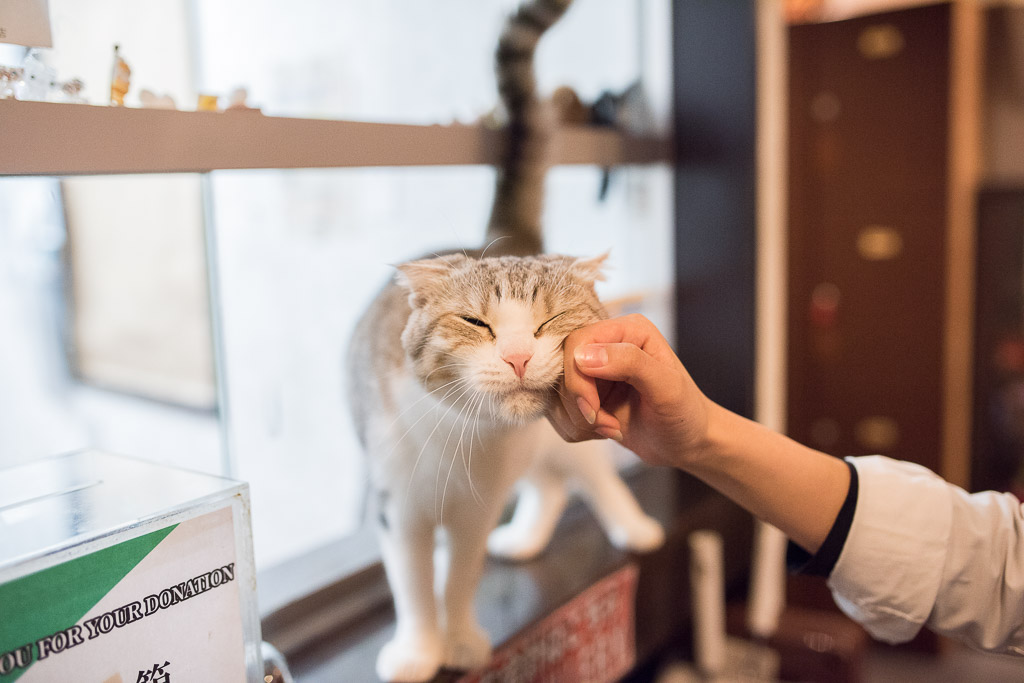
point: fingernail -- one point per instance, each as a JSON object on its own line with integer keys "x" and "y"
{"x": 610, "y": 433}
{"x": 589, "y": 414}
{"x": 591, "y": 356}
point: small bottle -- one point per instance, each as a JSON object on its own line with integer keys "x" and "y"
{"x": 120, "y": 79}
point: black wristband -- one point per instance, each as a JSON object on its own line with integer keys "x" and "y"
{"x": 822, "y": 562}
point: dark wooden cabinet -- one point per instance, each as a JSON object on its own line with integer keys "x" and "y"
{"x": 867, "y": 235}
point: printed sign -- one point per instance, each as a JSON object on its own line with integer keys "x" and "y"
{"x": 591, "y": 638}
{"x": 25, "y": 22}
{"x": 158, "y": 608}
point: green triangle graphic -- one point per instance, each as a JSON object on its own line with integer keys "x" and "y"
{"x": 47, "y": 602}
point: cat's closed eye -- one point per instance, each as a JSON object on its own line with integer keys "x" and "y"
{"x": 541, "y": 328}
{"x": 477, "y": 322}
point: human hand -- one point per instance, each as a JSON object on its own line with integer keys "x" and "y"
{"x": 623, "y": 381}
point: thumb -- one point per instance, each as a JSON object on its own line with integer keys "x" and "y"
{"x": 621, "y": 362}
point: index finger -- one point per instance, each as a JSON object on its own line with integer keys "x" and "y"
{"x": 632, "y": 329}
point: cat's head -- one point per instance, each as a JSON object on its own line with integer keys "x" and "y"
{"x": 493, "y": 328}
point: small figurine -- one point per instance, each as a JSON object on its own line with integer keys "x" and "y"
{"x": 120, "y": 79}
{"x": 237, "y": 100}
{"x": 150, "y": 100}
{"x": 36, "y": 80}
{"x": 206, "y": 103}
{"x": 627, "y": 111}
{"x": 71, "y": 92}
{"x": 10, "y": 77}
{"x": 493, "y": 119}
{"x": 568, "y": 107}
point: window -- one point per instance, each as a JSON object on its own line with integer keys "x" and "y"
{"x": 293, "y": 255}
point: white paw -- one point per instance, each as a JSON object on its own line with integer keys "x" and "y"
{"x": 409, "y": 660}
{"x": 640, "y": 535}
{"x": 467, "y": 648}
{"x": 510, "y": 543}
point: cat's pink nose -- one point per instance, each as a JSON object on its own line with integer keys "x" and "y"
{"x": 518, "y": 362}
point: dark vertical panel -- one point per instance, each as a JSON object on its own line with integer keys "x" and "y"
{"x": 714, "y": 57}
{"x": 868, "y": 136}
{"x": 998, "y": 445}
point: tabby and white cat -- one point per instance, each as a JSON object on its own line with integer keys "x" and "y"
{"x": 451, "y": 369}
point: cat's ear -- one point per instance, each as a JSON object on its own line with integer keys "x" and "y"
{"x": 427, "y": 276}
{"x": 589, "y": 270}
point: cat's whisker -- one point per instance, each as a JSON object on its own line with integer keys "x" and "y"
{"x": 469, "y": 462}
{"x": 466, "y": 410}
{"x": 445, "y": 367}
{"x": 441, "y": 402}
{"x": 444, "y": 449}
{"x": 460, "y": 450}
{"x": 420, "y": 400}
{"x": 465, "y": 462}
{"x": 559, "y": 391}
{"x": 467, "y": 381}
{"x": 490, "y": 407}
{"x": 454, "y": 386}
{"x": 426, "y": 442}
{"x": 492, "y": 243}
{"x": 459, "y": 384}
{"x": 455, "y": 454}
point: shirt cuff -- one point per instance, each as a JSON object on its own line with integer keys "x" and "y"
{"x": 822, "y": 562}
{"x": 891, "y": 568}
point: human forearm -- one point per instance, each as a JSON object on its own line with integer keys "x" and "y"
{"x": 794, "y": 488}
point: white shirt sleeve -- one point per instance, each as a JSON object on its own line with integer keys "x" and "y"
{"x": 922, "y": 552}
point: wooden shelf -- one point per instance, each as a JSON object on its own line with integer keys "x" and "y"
{"x": 42, "y": 138}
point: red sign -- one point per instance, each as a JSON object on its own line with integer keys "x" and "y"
{"x": 590, "y": 638}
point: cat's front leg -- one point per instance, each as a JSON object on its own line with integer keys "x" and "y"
{"x": 416, "y": 651}
{"x": 542, "y": 499}
{"x": 624, "y": 521}
{"x": 467, "y": 645}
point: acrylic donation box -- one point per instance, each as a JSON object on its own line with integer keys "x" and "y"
{"x": 117, "y": 570}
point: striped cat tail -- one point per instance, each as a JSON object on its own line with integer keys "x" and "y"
{"x": 518, "y": 197}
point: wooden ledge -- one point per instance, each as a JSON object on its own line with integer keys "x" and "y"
{"x": 45, "y": 138}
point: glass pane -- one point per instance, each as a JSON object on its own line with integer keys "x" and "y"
{"x": 389, "y": 60}
{"x": 300, "y": 255}
{"x": 402, "y": 60}
{"x": 103, "y": 287}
